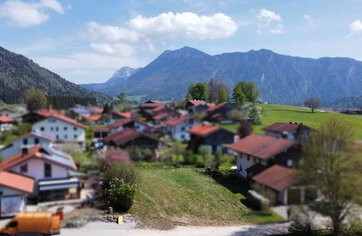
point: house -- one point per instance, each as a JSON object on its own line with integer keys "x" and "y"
{"x": 100, "y": 132}
{"x": 38, "y": 115}
{"x": 26, "y": 141}
{"x": 85, "y": 111}
{"x": 120, "y": 125}
{"x": 291, "y": 131}
{"x": 211, "y": 136}
{"x": 64, "y": 129}
{"x": 129, "y": 137}
{"x": 50, "y": 169}
{"x": 93, "y": 119}
{"x": 6, "y": 122}
{"x": 152, "y": 108}
{"x": 178, "y": 127}
{"x": 276, "y": 180}
{"x": 159, "y": 118}
{"x": 257, "y": 152}
{"x": 219, "y": 113}
{"x": 13, "y": 112}
{"x": 197, "y": 106}
{"x": 117, "y": 115}
{"x": 14, "y": 189}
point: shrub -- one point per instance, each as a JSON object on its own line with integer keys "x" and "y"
{"x": 121, "y": 170}
{"x": 140, "y": 154}
{"x": 120, "y": 194}
{"x": 258, "y": 201}
{"x": 190, "y": 157}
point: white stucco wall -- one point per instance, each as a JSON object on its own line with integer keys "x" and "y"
{"x": 9, "y": 191}
{"x": 16, "y": 148}
{"x": 243, "y": 163}
{"x": 180, "y": 132}
{"x": 63, "y": 131}
{"x": 36, "y": 169}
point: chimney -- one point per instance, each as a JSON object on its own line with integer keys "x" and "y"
{"x": 24, "y": 151}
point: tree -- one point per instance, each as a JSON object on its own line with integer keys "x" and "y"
{"x": 122, "y": 98}
{"x": 245, "y": 128}
{"x": 199, "y": 91}
{"x": 250, "y": 91}
{"x": 313, "y": 103}
{"x": 238, "y": 96}
{"x": 223, "y": 95}
{"x": 178, "y": 150}
{"x": 332, "y": 164}
{"x": 255, "y": 114}
{"x": 35, "y": 99}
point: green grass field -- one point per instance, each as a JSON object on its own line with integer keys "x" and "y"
{"x": 283, "y": 113}
{"x": 168, "y": 197}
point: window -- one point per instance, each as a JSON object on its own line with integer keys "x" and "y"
{"x": 36, "y": 141}
{"x": 24, "y": 168}
{"x": 75, "y": 136}
{"x": 75, "y": 128}
{"x": 65, "y": 128}
{"x": 182, "y": 128}
{"x": 65, "y": 136}
{"x": 57, "y": 137}
{"x": 47, "y": 170}
{"x": 25, "y": 141}
{"x": 51, "y": 128}
{"x": 248, "y": 157}
{"x": 57, "y": 128}
{"x": 41, "y": 128}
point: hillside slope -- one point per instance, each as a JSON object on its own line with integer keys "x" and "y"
{"x": 18, "y": 73}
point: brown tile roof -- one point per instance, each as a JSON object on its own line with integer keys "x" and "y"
{"x": 261, "y": 146}
{"x": 124, "y": 136}
{"x": 276, "y": 177}
{"x": 204, "y": 129}
{"x": 282, "y": 127}
{"x": 16, "y": 181}
{"x": 101, "y": 129}
{"x": 177, "y": 120}
{"x": 6, "y": 119}
{"x": 120, "y": 123}
{"x": 127, "y": 115}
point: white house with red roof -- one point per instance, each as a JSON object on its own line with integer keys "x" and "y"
{"x": 257, "y": 152}
{"x": 14, "y": 190}
{"x": 51, "y": 170}
{"x": 178, "y": 127}
{"x": 64, "y": 129}
{"x": 6, "y": 123}
{"x": 291, "y": 131}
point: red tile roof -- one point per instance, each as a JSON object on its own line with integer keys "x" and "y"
{"x": 215, "y": 107}
{"x": 282, "y": 127}
{"x": 101, "y": 129}
{"x": 120, "y": 123}
{"x": 69, "y": 120}
{"x": 48, "y": 112}
{"x": 6, "y": 119}
{"x": 161, "y": 116}
{"x": 197, "y": 102}
{"x": 204, "y": 129}
{"x": 261, "y": 146}
{"x": 159, "y": 107}
{"x": 96, "y": 110}
{"x": 177, "y": 120}
{"x": 276, "y": 177}
{"x": 127, "y": 115}
{"x": 16, "y": 181}
{"x": 93, "y": 117}
{"x": 125, "y": 135}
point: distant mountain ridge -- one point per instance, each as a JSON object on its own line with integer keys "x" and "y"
{"x": 281, "y": 79}
{"x": 18, "y": 73}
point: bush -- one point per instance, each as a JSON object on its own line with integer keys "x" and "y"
{"x": 190, "y": 157}
{"x": 258, "y": 201}
{"x": 140, "y": 154}
{"x": 121, "y": 170}
{"x": 120, "y": 194}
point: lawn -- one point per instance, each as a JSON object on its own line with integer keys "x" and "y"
{"x": 283, "y": 113}
{"x": 168, "y": 197}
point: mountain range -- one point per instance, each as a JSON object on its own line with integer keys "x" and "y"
{"x": 280, "y": 78}
{"x": 18, "y": 73}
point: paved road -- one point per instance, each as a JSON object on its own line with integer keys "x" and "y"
{"x": 110, "y": 229}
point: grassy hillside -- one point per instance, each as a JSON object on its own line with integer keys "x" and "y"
{"x": 283, "y": 113}
{"x": 184, "y": 196}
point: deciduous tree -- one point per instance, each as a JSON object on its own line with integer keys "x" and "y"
{"x": 35, "y": 99}
{"x": 313, "y": 103}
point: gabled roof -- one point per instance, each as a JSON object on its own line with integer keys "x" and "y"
{"x": 197, "y": 102}
{"x": 276, "y": 177}
{"x": 43, "y": 153}
{"x": 120, "y": 123}
{"x": 6, "y": 119}
{"x": 16, "y": 181}
{"x": 67, "y": 120}
{"x": 48, "y": 112}
{"x": 161, "y": 116}
{"x": 125, "y": 135}
{"x": 101, "y": 129}
{"x": 204, "y": 130}
{"x": 127, "y": 115}
{"x": 215, "y": 107}
{"x": 93, "y": 117}
{"x": 282, "y": 127}
{"x": 177, "y": 120}
{"x": 159, "y": 107}
{"x": 261, "y": 146}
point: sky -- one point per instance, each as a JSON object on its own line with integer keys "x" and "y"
{"x": 86, "y": 41}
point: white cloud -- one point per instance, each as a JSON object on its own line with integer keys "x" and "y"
{"x": 118, "y": 49}
{"x": 26, "y": 14}
{"x": 266, "y": 19}
{"x": 186, "y": 24}
{"x": 109, "y": 33}
{"x": 355, "y": 28}
{"x": 309, "y": 19}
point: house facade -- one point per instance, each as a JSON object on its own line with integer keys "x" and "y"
{"x": 291, "y": 131}
{"x": 6, "y": 123}
{"x": 178, "y": 128}
{"x": 62, "y": 128}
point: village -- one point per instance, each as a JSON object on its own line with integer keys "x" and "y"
{"x": 58, "y": 156}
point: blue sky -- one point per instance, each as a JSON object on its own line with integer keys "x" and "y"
{"x": 85, "y": 41}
